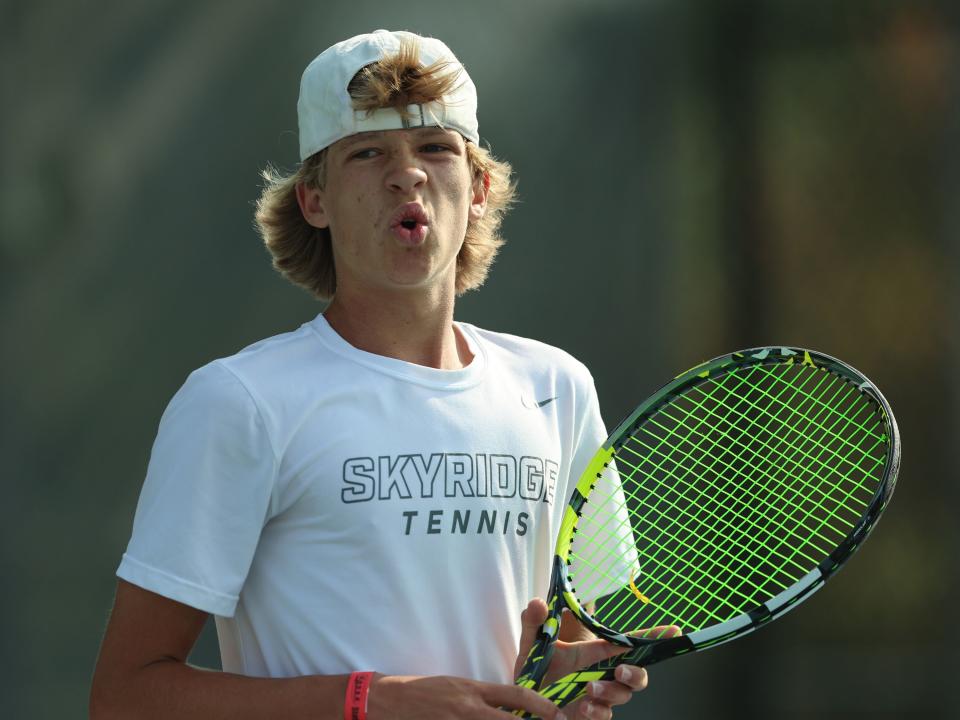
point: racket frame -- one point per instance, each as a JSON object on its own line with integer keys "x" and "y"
{"x": 647, "y": 651}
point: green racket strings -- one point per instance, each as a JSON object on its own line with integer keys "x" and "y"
{"x": 729, "y": 493}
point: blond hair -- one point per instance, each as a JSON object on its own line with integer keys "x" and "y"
{"x": 304, "y": 254}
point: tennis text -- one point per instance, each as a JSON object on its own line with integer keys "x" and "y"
{"x": 463, "y": 522}
{"x": 451, "y": 475}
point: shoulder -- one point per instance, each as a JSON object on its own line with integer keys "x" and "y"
{"x": 533, "y": 356}
{"x": 255, "y": 378}
{"x": 279, "y": 353}
{"x": 273, "y": 367}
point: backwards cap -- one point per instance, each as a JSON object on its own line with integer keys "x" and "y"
{"x": 325, "y": 109}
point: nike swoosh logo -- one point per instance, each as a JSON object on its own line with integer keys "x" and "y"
{"x": 533, "y": 404}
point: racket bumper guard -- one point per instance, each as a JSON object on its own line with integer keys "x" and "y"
{"x": 565, "y": 537}
{"x": 594, "y": 469}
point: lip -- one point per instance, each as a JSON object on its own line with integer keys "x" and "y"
{"x": 415, "y": 233}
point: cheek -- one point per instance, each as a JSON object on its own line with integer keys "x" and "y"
{"x": 461, "y": 197}
{"x": 350, "y": 212}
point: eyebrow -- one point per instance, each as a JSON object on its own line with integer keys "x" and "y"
{"x": 430, "y": 129}
{"x": 377, "y": 134}
{"x": 362, "y": 137}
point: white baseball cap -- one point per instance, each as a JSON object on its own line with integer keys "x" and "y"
{"x": 325, "y": 110}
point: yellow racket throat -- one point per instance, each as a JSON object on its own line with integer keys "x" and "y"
{"x": 640, "y": 596}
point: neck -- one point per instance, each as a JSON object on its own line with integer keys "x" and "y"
{"x": 404, "y": 325}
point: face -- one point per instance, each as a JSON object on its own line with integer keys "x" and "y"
{"x": 397, "y": 204}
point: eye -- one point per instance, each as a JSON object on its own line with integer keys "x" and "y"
{"x": 436, "y": 148}
{"x": 364, "y": 153}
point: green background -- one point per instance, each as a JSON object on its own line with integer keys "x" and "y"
{"x": 695, "y": 177}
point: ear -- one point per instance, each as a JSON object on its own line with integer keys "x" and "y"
{"x": 478, "y": 203}
{"x": 311, "y": 204}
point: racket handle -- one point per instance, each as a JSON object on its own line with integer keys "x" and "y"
{"x": 571, "y": 687}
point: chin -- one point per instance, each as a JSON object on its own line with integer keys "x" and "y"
{"x": 408, "y": 277}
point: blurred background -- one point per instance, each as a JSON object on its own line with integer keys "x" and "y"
{"x": 695, "y": 177}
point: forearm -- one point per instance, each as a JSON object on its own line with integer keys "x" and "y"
{"x": 142, "y": 673}
{"x": 171, "y": 689}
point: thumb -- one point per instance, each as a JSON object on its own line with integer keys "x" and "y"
{"x": 530, "y": 621}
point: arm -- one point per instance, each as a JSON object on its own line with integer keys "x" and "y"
{"x": 142, "y": 673}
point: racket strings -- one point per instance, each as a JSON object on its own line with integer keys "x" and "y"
{"x": 847, "y": 503}
{"x": 782, "y": 456}
{"x": 727, "y": 567}
{"x": 668, "y": 439}
{"x": 724, "y": 493}
{"x": 684, "y": 558}
{"x": 773, "y": 563}
{"x": 601, "y": 542}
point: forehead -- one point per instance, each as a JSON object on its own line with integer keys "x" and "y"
{"x": 409, "y": 135}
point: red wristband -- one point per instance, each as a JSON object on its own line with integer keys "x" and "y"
{"x": 355, "y": 705}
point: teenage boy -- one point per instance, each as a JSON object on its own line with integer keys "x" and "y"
{"x": 380, "y": 489}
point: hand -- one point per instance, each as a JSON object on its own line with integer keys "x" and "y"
{"x": 568, "y": 657}
{"x": 396, "y": 697}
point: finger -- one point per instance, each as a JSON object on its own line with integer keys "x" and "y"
{"x": 587, "y": 709}
{"x": 530, "y": 621}
{"x": 490, "y": 713}
{"x": 588, "y": 652}
{"x": 659, "y": 632}
{"x": 571, "y": 629}
{"x": 632, "y": 676}
{"x": 534, "y": 615}
{"x": 518, "y": 698}
{"x": 609, "y": 693}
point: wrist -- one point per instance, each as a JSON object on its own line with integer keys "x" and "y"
{"x": 385, "y": 696}
{"x": 357, "y": 695}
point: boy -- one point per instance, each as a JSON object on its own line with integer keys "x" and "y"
{"x": 381, "y": 488}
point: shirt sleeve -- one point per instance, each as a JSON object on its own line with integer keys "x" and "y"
{"x": 603, "y": 551}
{"x": 206, "y": 497}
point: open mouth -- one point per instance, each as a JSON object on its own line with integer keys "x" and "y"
{"x": 410, "y": 224}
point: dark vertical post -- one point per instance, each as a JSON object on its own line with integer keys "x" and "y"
{"x": 732, "y": 75}
{"x": 951, "y": 244}
{"x": 736, "y": 58}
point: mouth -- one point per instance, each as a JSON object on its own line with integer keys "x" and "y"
{"x": 410, "y": 224}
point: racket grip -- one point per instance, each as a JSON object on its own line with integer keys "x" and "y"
{"x": 571, "y": 687}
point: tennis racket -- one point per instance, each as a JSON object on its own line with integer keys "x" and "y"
{"x": 723, "y": 501}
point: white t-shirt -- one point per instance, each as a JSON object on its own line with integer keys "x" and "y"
{"x": 338, "y": 510}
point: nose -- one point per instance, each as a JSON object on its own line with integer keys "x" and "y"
{"x": 405, "y": 174}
